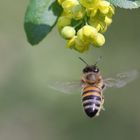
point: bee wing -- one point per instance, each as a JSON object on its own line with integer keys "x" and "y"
{"x": 66, "y": 87}
{"x": 121, "y": 79}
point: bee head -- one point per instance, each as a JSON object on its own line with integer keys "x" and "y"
{"x": 92, "y": 68}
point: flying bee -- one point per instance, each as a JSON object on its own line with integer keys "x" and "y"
{"x": 92, "y": 86}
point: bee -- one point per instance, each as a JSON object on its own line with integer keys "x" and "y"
{"x": 92, "y": 86}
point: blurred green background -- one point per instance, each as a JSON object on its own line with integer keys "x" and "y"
{"x": 29, "y": 110}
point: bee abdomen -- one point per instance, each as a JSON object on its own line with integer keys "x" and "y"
{"x": 91, "y": 102}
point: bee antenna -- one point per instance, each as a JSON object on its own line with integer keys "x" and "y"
{"x": 98, "y": 60}
{"x": 83, "y": 60}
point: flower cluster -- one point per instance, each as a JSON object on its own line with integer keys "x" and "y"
{"x": 83, "y": 22}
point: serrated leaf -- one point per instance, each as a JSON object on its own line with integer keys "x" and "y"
{"x": 127, "y": 4}
{"x": 40, "y": 18}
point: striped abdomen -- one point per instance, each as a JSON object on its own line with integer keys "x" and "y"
{"x": 91, "y": 98}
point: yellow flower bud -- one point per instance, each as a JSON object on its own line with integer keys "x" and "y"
{"x": 80, "y": 34}
{"x": 80, "y": 45}
{"x": 71, "y": 42}
{"x": 103, "y": 26}
{"x": 104, "y": 3}
{"x": 99, "y": 41}
{"x": 89, "y": 3}
{"x": 63, "y": 21}
{"x": 89, "y": 31}
{"x": 108, "y": 20}
{"x": 93, "y": 12}
{"x": 102, "y": 30}
{"x": 68, "y": 32}
{"x": 104, "y": 7}
{"x": 68, "y": 4}
{"x": 112, "y": 9}
{"x": 98, "y": 26}
{"x": 77, "y": 12}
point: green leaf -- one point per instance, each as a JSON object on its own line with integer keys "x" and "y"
{"x": 40, "y": 18}
{"x": 127, "y": 4}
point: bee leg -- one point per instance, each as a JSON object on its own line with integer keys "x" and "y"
{"x": 103, "y": 108}
{"x": 102, "y": 105}
{"x": 98, "y": 113}
{"x": 103, "y": 87}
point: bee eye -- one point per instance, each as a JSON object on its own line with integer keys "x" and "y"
{"x": 96, "y": 70}
{"x": 85, "y": 70}
{"x": 91, "y": 69}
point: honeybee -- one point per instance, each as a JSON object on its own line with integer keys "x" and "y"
{"x": 92, "y": 87}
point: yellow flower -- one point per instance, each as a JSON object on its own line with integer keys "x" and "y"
{"x": 103, "y": 26}
{"x": 80, "y": 45}
{"x": 112, "y": 9}
{"x": 100, "y": 22}
{"x": 99, "y": 41}
{"x": 108, "y": 20}
{"x": 80, "y": 34}
{"x": 98, "y": 26}
{"x": 93, "y": 12}
{"x": 77, "y": 44}
{"x": 71, "y": 42}
{"x": 83, "y": 22}
{"x": 89, "y": 31}
{"x": 68, "y": 32}
{"x": 77, "y": 12}
{"x": 95, "y": 23}
{"x": 68, "y": 4}
{"x": 104, "y": 6}
{"x": 63, "y": 21}
{"x": 89, "y": 3}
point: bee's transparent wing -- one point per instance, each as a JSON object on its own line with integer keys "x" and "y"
{"x": 121, "y": 79}
{"x": 66, "y": 87}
